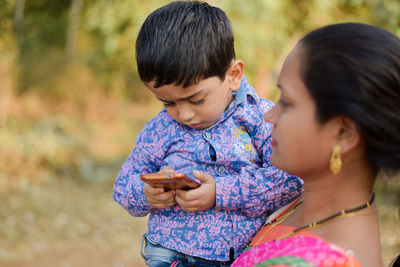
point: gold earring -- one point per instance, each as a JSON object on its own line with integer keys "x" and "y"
{"x": 336, "y": 160}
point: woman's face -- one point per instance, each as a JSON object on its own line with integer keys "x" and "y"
{"x": 301, "y": 145}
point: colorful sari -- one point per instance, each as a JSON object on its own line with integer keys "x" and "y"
{"x": 303, "y": 249}
{"x": 298, "y": 250}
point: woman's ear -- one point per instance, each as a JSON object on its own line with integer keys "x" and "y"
{"x": 234, "y": 74}
{"x": 348, "y": 136}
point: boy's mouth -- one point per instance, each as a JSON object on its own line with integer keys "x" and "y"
{"x": 196, "y": 125}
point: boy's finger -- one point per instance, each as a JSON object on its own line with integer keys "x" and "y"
{"x": 189, "y": 195}
{"x": 167, "y": 169}
{"x": 153, "y": 190}
{"x": 163, "y": 205}
{"x": 165, "y": 196}
{"x": 202, "y": 176}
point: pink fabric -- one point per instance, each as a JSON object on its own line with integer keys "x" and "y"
{"x": 307, "y": 249}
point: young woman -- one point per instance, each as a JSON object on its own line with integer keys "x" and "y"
{"x": 336, "y": 125}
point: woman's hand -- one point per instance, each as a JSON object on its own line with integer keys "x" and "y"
{"x": 198, "y": 199}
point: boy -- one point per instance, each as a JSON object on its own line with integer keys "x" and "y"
{"x": 213, "y": 124}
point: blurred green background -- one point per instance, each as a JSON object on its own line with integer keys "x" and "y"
{"x": 71, "y": 105}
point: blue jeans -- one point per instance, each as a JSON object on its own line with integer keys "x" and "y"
{"x": 156, "y": 255}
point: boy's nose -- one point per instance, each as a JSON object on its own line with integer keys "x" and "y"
{"x": 185, "y": 113}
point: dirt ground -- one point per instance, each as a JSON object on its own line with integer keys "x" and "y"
{"x": 67, "y": 224}
{"x": 77, "y": 255}
{"x": 75, "y": 224}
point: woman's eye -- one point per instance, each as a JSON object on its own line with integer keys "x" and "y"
{"x": 283, "y": 103}
{"x": 198, "y": 102}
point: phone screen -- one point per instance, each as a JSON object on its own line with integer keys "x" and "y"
{"x": 170, "y": 181}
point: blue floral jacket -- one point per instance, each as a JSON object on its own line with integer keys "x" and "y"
{"x": 236, "y": 152}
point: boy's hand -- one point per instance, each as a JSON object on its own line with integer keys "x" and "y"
{"x": 159, "y": 198}
{"x": 198, "y": 199}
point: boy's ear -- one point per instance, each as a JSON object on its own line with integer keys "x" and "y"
{"x": 234, "y": 74}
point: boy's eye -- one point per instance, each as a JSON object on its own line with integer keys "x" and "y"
{"x": 168, "y": 104}
{"x": 198, "y": 102}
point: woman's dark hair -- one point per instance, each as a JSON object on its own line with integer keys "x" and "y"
{"x": 395, "y": 262}
{"x": 353, "y": 69}
{"x": 184, "y": 42}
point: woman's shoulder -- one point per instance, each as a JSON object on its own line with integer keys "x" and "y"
{"x": 279, "y": 244}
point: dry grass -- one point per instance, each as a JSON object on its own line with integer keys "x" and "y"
{"x": 67, "y": 223}
{"x": 75, "y": 223}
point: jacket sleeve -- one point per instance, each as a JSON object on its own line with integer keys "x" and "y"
{"x": 146, "y": 157}
{"x": 255, "y": 191}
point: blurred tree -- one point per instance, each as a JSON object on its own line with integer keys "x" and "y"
{"x": 100, "y": 34}
{"x": 72, "y": 31}
{"x": 265, "y": 29}
{"x": 18, "y": 20}
{"x": 111, "y": 27}
{"x": 42, "y": 25}
{"x": 6, "y": 25}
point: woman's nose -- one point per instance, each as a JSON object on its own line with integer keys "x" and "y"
{"x": 268, "y": 116}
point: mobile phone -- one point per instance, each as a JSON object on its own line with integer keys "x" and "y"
{"x": 170, "y": 181}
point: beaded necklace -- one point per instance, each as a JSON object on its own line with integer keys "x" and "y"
{"x": 279, "y": 219}
{"x": 342, "y": 213}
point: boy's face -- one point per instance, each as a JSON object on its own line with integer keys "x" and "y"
{"x": 199, "y": 106}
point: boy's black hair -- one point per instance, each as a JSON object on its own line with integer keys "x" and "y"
{"x": 353, "y": 69}
{"x": 184, "y": 42}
